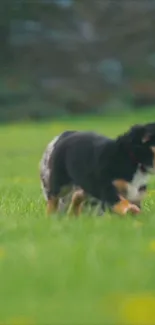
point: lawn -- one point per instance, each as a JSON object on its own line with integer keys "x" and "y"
{"x": 92, "y": 270}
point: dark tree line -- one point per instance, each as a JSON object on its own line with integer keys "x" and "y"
{"x": 61, "y": 47}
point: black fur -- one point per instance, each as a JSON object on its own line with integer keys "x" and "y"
{"x": 92, "y": 162}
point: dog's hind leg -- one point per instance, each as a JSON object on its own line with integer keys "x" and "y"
{"x": 55, "y": 199}
{"x": 52, "y": 201}
{"x": 52, "y": 205}
{"x": 77, "y": 201}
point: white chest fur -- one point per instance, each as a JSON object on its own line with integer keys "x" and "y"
{"x": 139, "y": 179}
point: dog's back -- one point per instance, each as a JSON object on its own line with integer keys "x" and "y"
{"x": 76, "y": 158}
{"x": 82, "y": 148}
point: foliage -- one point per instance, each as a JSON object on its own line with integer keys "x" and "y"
{"x": 101, "y": 48}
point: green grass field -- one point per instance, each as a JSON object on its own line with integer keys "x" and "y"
{"x": 90, "y": 270}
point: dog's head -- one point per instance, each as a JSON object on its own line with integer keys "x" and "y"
{"x": 141, "y": 140}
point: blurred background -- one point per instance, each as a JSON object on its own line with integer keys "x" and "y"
{"x": 83, "y": 65}
{"x": 63, "y": 57}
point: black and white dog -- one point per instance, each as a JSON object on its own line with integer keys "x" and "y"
{"x": 113, "y": 171}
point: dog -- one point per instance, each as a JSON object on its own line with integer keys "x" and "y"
{"x": 113, "y": 171}
{"x": 46, "y": 170}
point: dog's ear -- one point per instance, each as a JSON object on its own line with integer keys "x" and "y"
{"x": 139, "y": 134}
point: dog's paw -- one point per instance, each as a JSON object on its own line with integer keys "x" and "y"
{"x": 134, "y": 209}
{"x": 124, "y": 206}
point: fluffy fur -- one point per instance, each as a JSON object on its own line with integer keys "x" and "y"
{"x": 46, "y": 171}
{"x": 113, "y": 171}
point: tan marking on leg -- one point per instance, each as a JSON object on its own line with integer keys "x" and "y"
{"x": 80, "y": 208}
{"x": 120, "y": 185}
{"x": 76, "y": 203}
{"x": 52, "y": 205}
{"x": 123, "y": 206}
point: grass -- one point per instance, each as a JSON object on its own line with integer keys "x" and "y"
{"x": 92, "y": 270}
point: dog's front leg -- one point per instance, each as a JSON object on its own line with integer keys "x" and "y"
{"x": 124, "y": 206}
{"x": 116, "y": 202}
